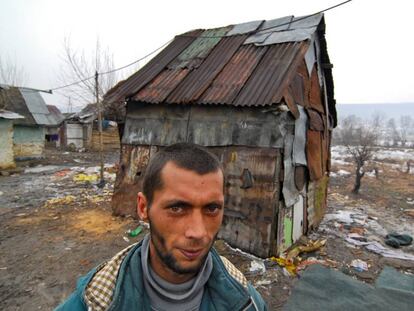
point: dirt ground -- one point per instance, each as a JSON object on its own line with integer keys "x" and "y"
{"x": 55, "y": 225}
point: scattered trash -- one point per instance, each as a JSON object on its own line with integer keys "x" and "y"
{"x": 135, "y": 232}
{"x": 309, "y": 247}
{"x": 3, "y": 268}
{"x": 312, "y": 261}
{"x": 396, "y": 240}
{"x": 359, "y": 265}
{"x": 62, "y": 173}
{"x": 126, "y": 239}
{"x": 357, "y": 237}
{"x": 60, "y": 201}
{"x": 357, "y": 230}
{"x": 409, "y": 212}
{"x": 287, "y": 264}
{"x": 83, "y": 177}
{"x": 257, "y": 266}
{"x": 377, "y": 248}
{"x": 41, "y": 169}
{"x": 264, "y": 282}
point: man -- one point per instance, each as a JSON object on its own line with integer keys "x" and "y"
{"x": 175, "y": 267}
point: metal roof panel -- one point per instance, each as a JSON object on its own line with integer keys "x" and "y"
{"x": 264, "y": 86}
{"x": 198, "y": 50}
{"x": 234, "y": 75}
{"x": 244, "y": 28}
{"x": 158, "y": 90}
{"x": 198, "y": 80}
{"x": 139, "y": 79}
{"x": 5, "y": 114}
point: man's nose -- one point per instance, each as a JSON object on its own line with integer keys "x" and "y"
{"x": 196, "y": 228}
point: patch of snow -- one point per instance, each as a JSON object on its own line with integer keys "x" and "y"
{"x": 41, "y": 169}
{"x": 343, "y": 173}
{"x": 394, "y": 154}
{"x": 257, "y": 266}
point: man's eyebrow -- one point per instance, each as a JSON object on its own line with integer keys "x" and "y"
{"x": 177, "y": 202}
{"x": 220, "y": 203}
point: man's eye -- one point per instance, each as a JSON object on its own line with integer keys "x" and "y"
{"x": 176, "y": 209}
{"x": 212, "y": 209}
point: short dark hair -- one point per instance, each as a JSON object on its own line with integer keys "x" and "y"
{"x": 185, "y": 155}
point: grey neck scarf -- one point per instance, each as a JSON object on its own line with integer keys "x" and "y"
{"x": 165, "y": 296}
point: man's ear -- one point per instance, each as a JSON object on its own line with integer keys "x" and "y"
{"x": 142, "y": 207}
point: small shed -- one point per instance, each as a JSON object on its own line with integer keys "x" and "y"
{"x": 81, "y": 130}
{"x": 29, "y": 133}
{"x": 6, "y": 138}
{"x": 260, "y": 96}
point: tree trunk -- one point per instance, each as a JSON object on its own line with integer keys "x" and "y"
{"x": 358, "y": 177}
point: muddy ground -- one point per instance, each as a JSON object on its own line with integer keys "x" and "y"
{"x": 54, "y": 229}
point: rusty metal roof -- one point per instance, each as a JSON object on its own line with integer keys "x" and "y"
{"x": 249, "y": 64}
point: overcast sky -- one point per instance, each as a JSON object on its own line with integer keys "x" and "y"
{"x": 370, "y": 42}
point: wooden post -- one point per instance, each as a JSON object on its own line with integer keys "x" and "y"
{"x": 98, "y": 106}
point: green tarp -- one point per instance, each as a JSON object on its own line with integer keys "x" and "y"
{"x": 321, "y": 288}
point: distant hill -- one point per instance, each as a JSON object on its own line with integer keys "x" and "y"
{"x": 367, "y": 110}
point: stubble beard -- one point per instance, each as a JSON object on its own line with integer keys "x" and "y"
{"x": 168, "y": 258}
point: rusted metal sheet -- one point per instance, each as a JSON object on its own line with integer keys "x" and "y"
{"x": 205, "y": 125}
{"x": 249, "y": 213}
{"x": 314, "y": 154}
{"x": 297, "y": 89}
{"x": 139, "y": 79}
{"x": 158, "y": 90}
{"x": 315, "y": 96}
{"x": 234, "y": 75}
{"x": 133, "y": 162}
{"x": 325, "y": 151}
{"x": 290, "y": 102}
{"x": 198, "y": 50}
{"x": 194, "y": 85}
{"x": 158, "y": 125}
{"x": 310, "y": 194}
{"x": 316, "y": 123}
{"x": 317, "y": 201}
{"x": 264, "y": 87}
{"x": 300, "y": 177}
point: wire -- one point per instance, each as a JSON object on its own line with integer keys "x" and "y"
{"x": 262, "y": 31}
{"x": 138, "y": 60}
{"x": 113, "y": 70}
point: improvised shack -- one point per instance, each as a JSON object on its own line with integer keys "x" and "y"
{"x": 29, "y": 133}
{"x": 260, "y": 96}
{"x": 6, "y": 138}
{"x": 52, "y": 132}
{"x": 81, "y": 131}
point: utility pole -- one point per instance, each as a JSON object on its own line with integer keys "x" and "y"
{"x": 98, "y": 106}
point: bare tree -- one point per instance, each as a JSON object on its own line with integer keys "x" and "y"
{"x": 360, "y": 140}
{"x": 405, "y": 126}
{"x": 11, "y": 73}
{"x": 77, "y": 66}
{"x": 393, "y": 134}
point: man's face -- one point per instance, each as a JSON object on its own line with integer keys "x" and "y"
{"x": 185, "y": 217}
